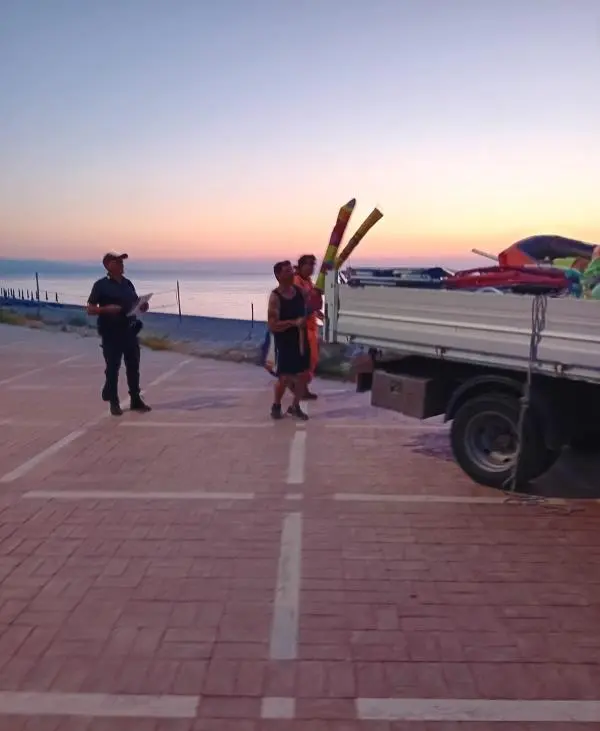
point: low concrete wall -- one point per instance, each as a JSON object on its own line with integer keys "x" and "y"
{"x": 191, "y": 327}
{"x": 208, "y": 337}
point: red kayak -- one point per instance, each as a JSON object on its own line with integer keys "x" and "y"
{"x": 519, "y": 280}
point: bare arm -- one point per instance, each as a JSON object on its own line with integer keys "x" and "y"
{"x": 275, "y": 324}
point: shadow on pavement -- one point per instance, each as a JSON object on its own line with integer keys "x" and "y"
{"x": 575, "y": 475}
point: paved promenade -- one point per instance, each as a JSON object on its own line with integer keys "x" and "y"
{"x": 201, "y": 568}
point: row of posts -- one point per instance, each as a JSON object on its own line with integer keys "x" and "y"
{"x": 35, "y": 296}
{"x": 25, "y": 294}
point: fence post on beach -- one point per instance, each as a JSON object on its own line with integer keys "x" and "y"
{"x": 37, "y": 292}
{"x": 179, "y": 300}
{"x": 252, "y": 315}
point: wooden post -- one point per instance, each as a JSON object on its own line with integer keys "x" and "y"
{"x": 179, "y": 300}
{"x": 37, "y": 292}
{"x": 252, "y": 314}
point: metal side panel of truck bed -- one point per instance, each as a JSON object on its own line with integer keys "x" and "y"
{"x": 490, "y": 329}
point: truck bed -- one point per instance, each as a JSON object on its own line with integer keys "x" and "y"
{"x": 481, "y": 328}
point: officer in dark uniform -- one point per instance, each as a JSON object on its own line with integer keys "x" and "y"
{"x": 112, "y": 298}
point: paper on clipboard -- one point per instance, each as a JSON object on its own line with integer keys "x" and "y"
{"x": 144, "y": 299}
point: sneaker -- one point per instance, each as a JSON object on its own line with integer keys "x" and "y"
{"x": 297, "y": 412}
{"x": 138, "y": 405}
{"x": 309, "y": 396}
{"x": 276, "y": 411}
{"x": 116, "y": 410}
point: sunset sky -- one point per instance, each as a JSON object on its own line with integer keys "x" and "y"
{"x": 236, "y": 128}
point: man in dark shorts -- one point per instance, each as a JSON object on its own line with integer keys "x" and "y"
{"x": 287, "y": 322}
{"x": 112, "y": 298}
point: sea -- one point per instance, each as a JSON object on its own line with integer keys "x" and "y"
{"x": 213, "y": 289}
{"x": 235, "y": 293}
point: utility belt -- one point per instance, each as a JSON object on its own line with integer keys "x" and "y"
{"x": 127, "y": 327}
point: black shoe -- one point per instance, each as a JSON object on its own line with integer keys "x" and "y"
{"x": 138, "y": 405}
{"x": 310, "y": 396}
{"x": 297, "y": 412}
{"x": 276, "y": 411}
{"x": 116, "y": 410}
{"x": 105, "y": 396}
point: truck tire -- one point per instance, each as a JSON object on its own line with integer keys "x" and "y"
{"x": 483, "y": 439}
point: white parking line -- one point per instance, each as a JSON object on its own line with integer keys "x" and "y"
{"x": 11, "y": 343}
{"x": 417, "y": 426}
{"x": 295, "y": 475}
{"x": 130, "y": 495}
{"x": 6, "y": 381}
{"x": 168, "y": 374}
{"x": 19, "y": 703}
{"x": 284, "y": 629}
{"x": 459, "y": 710}
{"x": 194, "y": 425}
{"x": 278, "y": 708}
{"x": 250, "y": 389}
{"x": 31, "y": 463}
{"x": 44, "y": 387}
{"x": 365, "y": 497}
{"x": 30, "y": 422}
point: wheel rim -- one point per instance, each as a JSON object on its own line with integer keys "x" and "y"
{"x": 491, "y": 441}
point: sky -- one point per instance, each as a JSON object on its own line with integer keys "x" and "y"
{"x": 197, "y": 129}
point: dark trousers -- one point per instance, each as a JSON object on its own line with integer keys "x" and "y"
{"x": 117, "y": 347}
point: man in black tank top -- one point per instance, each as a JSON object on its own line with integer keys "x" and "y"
{"x": 287, "y": 322}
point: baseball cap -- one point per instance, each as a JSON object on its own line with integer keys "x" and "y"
{"x": 111, "y": 256}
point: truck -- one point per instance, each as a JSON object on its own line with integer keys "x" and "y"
{"x": 470, "y": 358}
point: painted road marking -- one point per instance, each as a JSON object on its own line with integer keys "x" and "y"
{"x": 251, "y": 389}
{"x": 295, "y": 475}
{"x": 40, "y": 387}
{"x": 29, "y": 464}
{"x": 33, "y": 462}
{"x": 278, "y": 708}
{"x": 33, "y": 372}
{"x": 418, "y": 427}
{"x": 363, "y": 497}
{"x": 30, "y": 422}
{"x": 194, "y": 425}
{"x": 456, "y": 709}
{"x": 130, "y": 495}
{"x": 97, "y": 704}
{"x": 284, "y": 629}
{"x": 168, "y": 374}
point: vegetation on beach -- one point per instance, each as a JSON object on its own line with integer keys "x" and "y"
{"x": 10, "y": 317}
{"x": 157, "y": 342}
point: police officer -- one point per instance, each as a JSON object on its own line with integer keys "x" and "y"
{"x": 112, "y": 298}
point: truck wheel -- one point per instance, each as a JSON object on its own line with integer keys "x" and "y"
{"x": 484, "y": 441}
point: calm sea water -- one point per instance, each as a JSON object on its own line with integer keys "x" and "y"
{"x": 215, "y": 295}
{"x": 214, "y": 289}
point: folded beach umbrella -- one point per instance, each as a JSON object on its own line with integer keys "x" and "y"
{"x": 335, "y": 240}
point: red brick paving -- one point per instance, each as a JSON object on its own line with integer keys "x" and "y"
{"x": 424, "y": 600}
